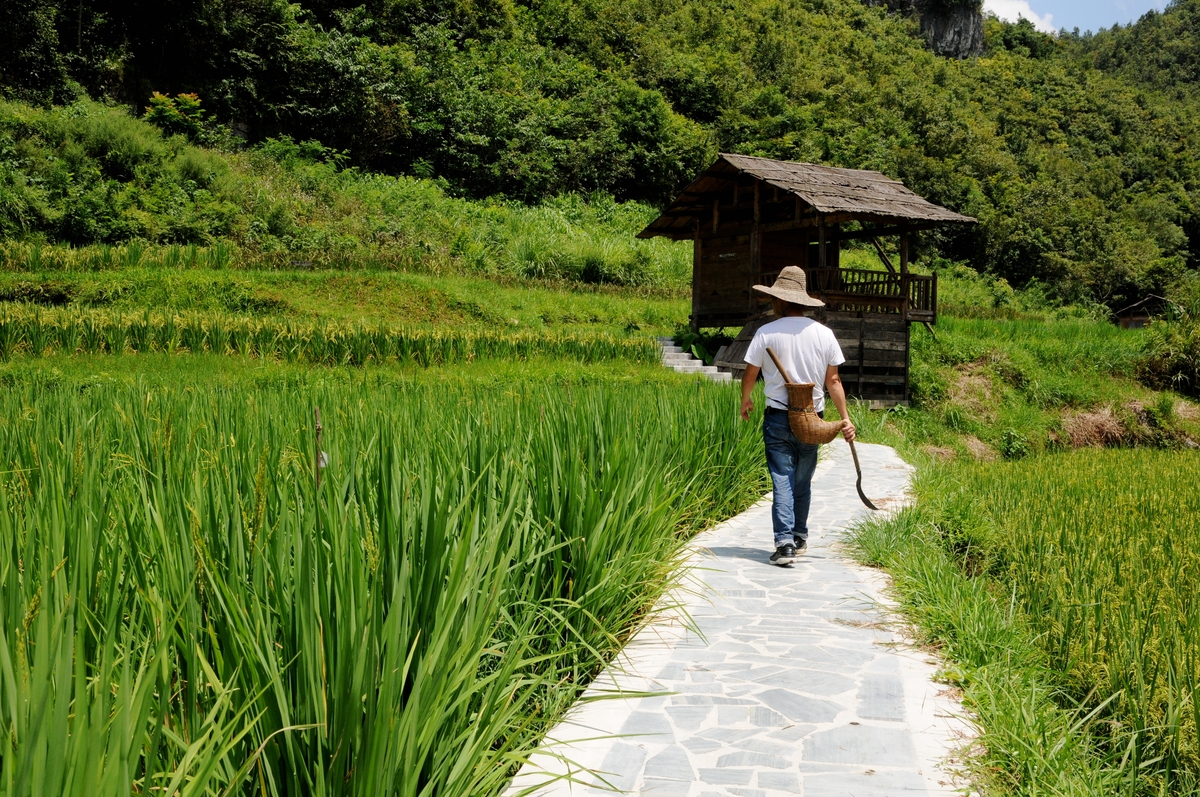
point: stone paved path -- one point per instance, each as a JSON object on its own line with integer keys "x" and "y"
{"x": 793, "y": 685}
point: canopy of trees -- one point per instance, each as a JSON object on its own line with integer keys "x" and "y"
{"x": 1077, "y": 153}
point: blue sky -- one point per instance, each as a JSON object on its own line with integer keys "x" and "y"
{"x": 1052, "y": 15}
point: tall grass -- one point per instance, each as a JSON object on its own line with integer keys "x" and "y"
{"x": 38, "y": 331}
{"x": 182, "y": 612}
{"x": 1091, "y": 560}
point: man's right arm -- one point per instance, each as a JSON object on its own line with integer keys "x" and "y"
{"x": 833, "y": 381}
{"x": 754, "y": 363}
{"x": 749, "y": 377}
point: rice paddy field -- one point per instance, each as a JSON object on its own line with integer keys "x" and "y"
{"x": 1068, "y": 587}
{"x": 38, "y": 331}
{"x": 510, "y": 475}
{"x": 185, "y": 611}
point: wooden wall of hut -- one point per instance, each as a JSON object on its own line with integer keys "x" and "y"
{"x": 721, "y": 281}
{"x": 724, "y": 272}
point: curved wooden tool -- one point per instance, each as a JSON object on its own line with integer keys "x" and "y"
{"x": 858, "y": 483}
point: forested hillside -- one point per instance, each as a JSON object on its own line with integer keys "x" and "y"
{"x": 1077, "y": 154}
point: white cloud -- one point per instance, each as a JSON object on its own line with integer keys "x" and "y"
{"x": 1011, "y": 10}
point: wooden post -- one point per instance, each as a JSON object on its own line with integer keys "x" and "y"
{"x": 903, "y": 253}
{"x": 907, "y": 361}
{"x": 933, "y": 304}
{"x": 904, "y": 290}
{"x": 755, "y": 249}
{"x": 862, "y": 350}
{"x": 716, "y": 213}
{"x": 821, "y": 258}
{"x": 697, "y": 253}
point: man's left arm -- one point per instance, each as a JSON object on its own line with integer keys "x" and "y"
{"x": 833, "y": 382}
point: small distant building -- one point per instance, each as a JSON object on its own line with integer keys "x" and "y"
{"x": 1138, "y": 314}
{"x": 750, "y": 217}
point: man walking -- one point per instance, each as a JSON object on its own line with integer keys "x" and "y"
{"x": 810, "y": 353}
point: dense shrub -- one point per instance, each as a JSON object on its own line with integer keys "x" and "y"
{"x": 1172, "y": 358}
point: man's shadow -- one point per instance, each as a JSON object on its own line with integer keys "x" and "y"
{"x": 756, "y": 555}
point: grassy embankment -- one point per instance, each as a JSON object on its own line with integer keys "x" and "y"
{"x": 110, "y": 191}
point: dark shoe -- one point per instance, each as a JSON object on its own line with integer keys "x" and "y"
{"x": 784, "y": 555}
{"x": 801, "y": 545}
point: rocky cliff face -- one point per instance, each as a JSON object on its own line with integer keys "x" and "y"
{"x": 953, "y": 31}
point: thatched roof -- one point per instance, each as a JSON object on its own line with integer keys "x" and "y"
{"x": 847, "y": 194}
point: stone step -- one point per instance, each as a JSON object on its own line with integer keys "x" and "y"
{"x": 684, "y": 362}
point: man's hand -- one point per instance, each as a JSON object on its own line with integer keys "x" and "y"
{"x": 848, "y": 430}
{"x": 747, "y": 408}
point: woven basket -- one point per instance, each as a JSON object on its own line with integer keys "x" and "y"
{"x": 803, "y": 419}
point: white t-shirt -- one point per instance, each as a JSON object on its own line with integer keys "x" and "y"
{"x": 806, "y": 349}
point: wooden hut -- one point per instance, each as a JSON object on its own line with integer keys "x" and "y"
{"x": 750, "y": 217}
{"x": 1140, "y": 313}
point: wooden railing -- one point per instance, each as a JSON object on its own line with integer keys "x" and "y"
{"x": 912, "y": 295}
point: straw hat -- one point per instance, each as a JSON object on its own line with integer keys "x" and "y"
{"x": 791, "y": 286}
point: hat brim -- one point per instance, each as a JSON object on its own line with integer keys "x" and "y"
{"x": 795, "y": 297}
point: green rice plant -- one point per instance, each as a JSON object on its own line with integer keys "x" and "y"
{"x": 264, "y": 340}
{"x": 166, "y": 334}
{"x": 183, "y": 611}
{"x": 218, "y": 335}
{"x": 171, "y": 257}
{"x": 132, "y": 253}
{"x": 192, "y": 333}
{"x": 69, "y": 333}
{"x": 138, "y": 332}
{"x": 102, "y": 259}
{"x": 10, "y": 335}
{"x": 241, "y": 337}
{"x": 38, "y": 334}
{"x": 115, "y": 338}
{"x": 91, "y": 337}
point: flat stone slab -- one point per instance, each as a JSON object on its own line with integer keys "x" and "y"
{"x": 766, "y": 680}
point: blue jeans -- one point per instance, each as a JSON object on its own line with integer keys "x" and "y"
{"x": 791, "y": 465}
